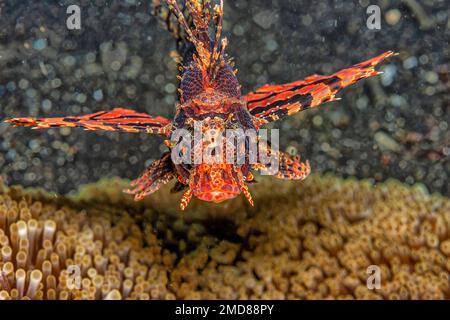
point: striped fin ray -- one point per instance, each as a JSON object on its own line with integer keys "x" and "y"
{"x": 273, "y": 102}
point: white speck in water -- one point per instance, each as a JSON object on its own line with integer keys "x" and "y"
{"x": 98, "y": 95}
{"x": 387, "y": 78}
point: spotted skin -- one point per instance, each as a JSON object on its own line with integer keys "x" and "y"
{"x": 210, "y": 95}
{"x": 216, "y": 182}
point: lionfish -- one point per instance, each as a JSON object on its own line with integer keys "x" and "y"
{"x": 210, "y": 94}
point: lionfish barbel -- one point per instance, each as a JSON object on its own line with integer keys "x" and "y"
{"x": 209, "y": 92}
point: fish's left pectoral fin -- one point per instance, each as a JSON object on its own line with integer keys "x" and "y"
{"x": 118, "y": 119}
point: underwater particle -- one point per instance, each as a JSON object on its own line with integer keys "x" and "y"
{"x": 364, "y": 3}
{"x": 393, "y": 16}
{"x": 169, "y": 99}
{"x": 125, "y": 19}
{"x": 424, "y": 59}
{"x": 56, "y": 83}
{"x": 170, "y": 88}
{"x": 292, "y": 150}
{"x": 133, "y": 69}
{"x": 23, "y": 84}
{"x": 69, "y": 61}
{"x": 116, "y": 65}
{"x": 307, "y": 20}
{"x": 389, "y": 73}
{"x": 46, "y": 105}
{"x": 81, "y": 97}
{"x": 93, "y": 69}
{"x": 397, "y": 100}
{"x": 31, "y": 93}
{"x": 430, "y": 91}
{"x": 159, "y": 79}
{"x": 325, "y": 147}
{"x": 385, "y": 142}
{"x": 90, "y": 57}
{"x": 431, "y": 77}
{"x": 131, "y": 2}
{"x": 133, "y": 160}
{"x": 362, "y": 102}
{"x": 98, "y": 95}
{"x": 44, "y": 68}
{"x": 425, "y": 21}
{"x": 339, "y": 118}
{"x": 238, "y": 30}
{"x": 130, "y": 91}
{"x": 272, "y": 45}
{"x": 410, "y": 63}
{"x": 40, "y": 44}
{"x": 265, "y": 19}
{"x": 11, "y": 86}
{"x": 113, "y": 56}
{"x": 317, "y": 121}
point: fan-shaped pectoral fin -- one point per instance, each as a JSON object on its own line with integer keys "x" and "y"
{"x": 282, "y": 165}
{"x": 154, "y": 177}
{"x": 116, "y": 120}
{"x": 273, "y": 102}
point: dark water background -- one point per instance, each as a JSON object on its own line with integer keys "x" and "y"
{"x": 394, "y": 126}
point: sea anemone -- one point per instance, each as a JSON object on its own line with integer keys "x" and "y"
{"x": 311, "y": 240}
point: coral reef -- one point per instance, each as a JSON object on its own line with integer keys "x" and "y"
{"x": 309, "y": 240}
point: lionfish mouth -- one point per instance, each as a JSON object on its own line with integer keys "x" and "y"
{"x": 217, "y": 196}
